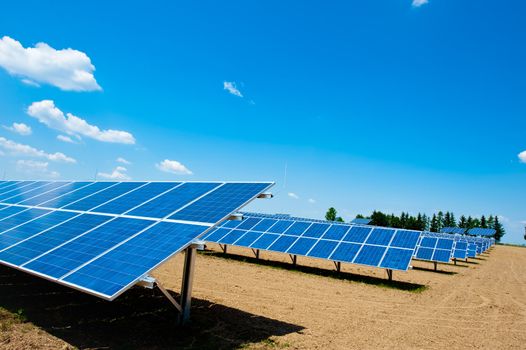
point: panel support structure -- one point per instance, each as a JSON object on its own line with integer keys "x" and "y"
{"x": 389, "y": 274}
{"x": 338, "y": 266}
{"x": 223, "y": 248}
{"x": 435, "y": 264}
{"x": 188, "y": 279}
{"x": 256, "y": 252}
{"x": 294, "y": 259}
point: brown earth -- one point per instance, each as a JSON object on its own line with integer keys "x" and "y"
{"x": 241, "y": 302}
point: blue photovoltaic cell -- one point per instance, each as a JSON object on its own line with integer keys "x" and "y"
{"x": 442, "y": 255}
{"x": 231, "y": 237}
{"x": 125, "y": 264}
{"x": 133, "y": 199}
{"x": 444, "y": 243}
{"x": 336, "y": 232}
{"x": 20, "y": 218}
{"x": 48, "y": 240}
{"x": 428, "y": 242}
{"x": 12, "y": 185}
{"x": 55, "y": 193}
{"x": 19, "y": 233}
{"x": 459, "y": 254}
{"x": 345, "y": 252}
{"x": 34, "y": 193}
{"x": 302, "y": 246}
{"x": 6, "y": 184}
{"x": 62, "y": 201}
{"x": 316, "y": 230}
{"x": 357, "y": 234}
{"x": 248, "y": 223}
{"x": 231, "y": 223}
{"x": 19, "y": 189}
{"x": 370, "y": 255}
{"x": 280, "y": 226}
{"x": 361, "y": 221}
{"x": 264, "y": 225}
{"x": 397, "y": 259}
{"x": 217, "y": 234}
{"x": 264, "y": 241}
{"x": 97, "y": 199}
{"x": 380, "y": 236}
{"x": 215, "y": 206}
{"x": 283, "y": 243}
{"x": 424, "y": 253}
{"x": 405, "y": 239}
{"x": 169, "y": 202}
{"x": 323, "y": 249}
{"x": 297, "y": 228}
{"x": 249, "y": 238}
{"x": 79, "y": 251}
{"x": 4, "y": 213}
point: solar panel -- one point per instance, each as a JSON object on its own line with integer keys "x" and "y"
{"x": 453, "y": 230}
{"x": 477, "y": 231}
{"x": 102, "y": 237}
{"x": 371, "y": 246}
{"x": 361, "y": 221}
{"x": 436, "y": 249}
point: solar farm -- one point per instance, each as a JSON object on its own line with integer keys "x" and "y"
{"x": 186, "y": 255}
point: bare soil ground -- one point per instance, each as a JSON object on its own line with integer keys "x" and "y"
{"x": 243, "y": 303}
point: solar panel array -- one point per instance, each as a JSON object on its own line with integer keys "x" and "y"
{"x": 477, "y": 231}
{"x": 102, "y": 237}
{"x": 361, "y": 221}
{"x": 436, "y": 249}
{"x": 453, "y": 230}
{"x": 371, "y": 246}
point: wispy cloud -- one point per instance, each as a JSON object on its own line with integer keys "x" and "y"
{"x": 15, "y": 148}
{"x": 119, "y": 173}
{"x": 19, "y": 128}
{"x": 312, "y": 201}
{"x": 174, "y": 167}
{"x": 67, "y": 69}
{"x": 522, "y": 157}
{"x": 293, "y": 195}
{"x": 36, "y": 168}
{"x": 123, "y": 161}
{"x": 418, "y": 3}
{"x": 46, "y": 113}
{"x": 230, "y": 86}
{"x": 65, "y": 138}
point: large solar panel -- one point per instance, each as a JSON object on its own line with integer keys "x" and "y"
{"x": 477, "y": 231}
{"x": 102, "y": 237}
{"x": 365, "y": 245}
{"x": 361, "y": 221}
{"x": 453, "y": 230}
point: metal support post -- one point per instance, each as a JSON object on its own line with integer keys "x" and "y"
{"x": 256, "y": 252}
{"x": 455, "y": 261}
{"x": 294, "y": 259}
{"x": 223, "y": 248}
{"x": 435, "y": 263}
{"x": 389, "y": 274}
{"x": 188, "y": 279}
{"x": 338, "y": 266}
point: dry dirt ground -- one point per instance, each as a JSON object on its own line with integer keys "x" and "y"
{"x": 243, "y": 303}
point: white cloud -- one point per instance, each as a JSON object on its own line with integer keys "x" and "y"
{"x": 230, "y": 86}
{"x": 19, "y": 128}
{"x": 46, "y": 113}
{"x": 30, "y": 82}
{"x": 522, "y": 157}
{"x": 65, "y": 138}
{"x": 20, "y": 149}
{"x": 36, "y": 168}
{"x": 123, "y": 161}
{"x": 66, "y": 69}
{"x": 312, "y": 201}
{"x": 173, "y": 166}
{"x": 293, "y": 195}
{"x": 418, "y": 3}
{"x": 119, "y": 173}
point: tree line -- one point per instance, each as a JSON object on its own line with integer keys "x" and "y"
{"x": 422, "y": 222}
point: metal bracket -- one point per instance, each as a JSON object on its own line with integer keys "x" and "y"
{"x": 265, "y": 195}
{"x": 236, "y": 217}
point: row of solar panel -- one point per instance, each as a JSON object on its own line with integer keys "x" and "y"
{"x": 379, "y": 247}
{"x": 101, "y": 254}
{"x": 163, "y": 199}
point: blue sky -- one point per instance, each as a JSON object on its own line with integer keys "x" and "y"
{"x": 360, "y": 105}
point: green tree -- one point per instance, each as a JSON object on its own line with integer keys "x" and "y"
{"x": 463, "y": 222}
{"x": 499, "y": 229}
{"x": 440, "y": 221}
{"x": 491, "y": 221}
{"x": 331, "y": 214}
{"x": 434, "y": 224}
{"x": 483, "y": 222}
{"x": 379, "y": 219}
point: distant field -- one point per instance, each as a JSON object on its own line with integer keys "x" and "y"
{"x": 254, "y": 305}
